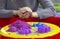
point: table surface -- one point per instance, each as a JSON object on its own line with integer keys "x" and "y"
{"x": 4, "y": 22}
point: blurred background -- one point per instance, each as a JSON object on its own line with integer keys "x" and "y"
{"x": 57, "y": 5}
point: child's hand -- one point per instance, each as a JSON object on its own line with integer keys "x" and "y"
{"x": 24, "y": 12}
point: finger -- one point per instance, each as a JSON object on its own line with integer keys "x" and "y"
{"x": 26, "y": 9}
{"x": 23, "y": 11}
{"x": 27, "y": 15}
{"x": 20, "y": 15}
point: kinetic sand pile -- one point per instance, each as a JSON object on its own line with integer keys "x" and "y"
{"x": 22, "y": 27}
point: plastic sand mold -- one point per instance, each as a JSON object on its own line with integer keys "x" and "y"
{"x": 54, "y": 30}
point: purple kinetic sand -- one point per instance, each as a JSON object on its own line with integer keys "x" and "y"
{"x": 24, "y": 31}
{"x": 20, "y": 27}
{"x": 12, "y": 29}
{"x": 20, "y": 24}
{"x": 47, "y": 29}
{"x": 44, "y": 29}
